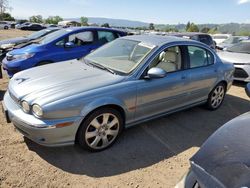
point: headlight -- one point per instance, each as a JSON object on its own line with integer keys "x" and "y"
{"x": 23, "y": 56}
{"x": 25, "y": 105}
{"x": 37, "y": 110}
{"x": 5, "y": 46}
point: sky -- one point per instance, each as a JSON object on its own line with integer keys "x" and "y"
{"x": 155, "y": 11}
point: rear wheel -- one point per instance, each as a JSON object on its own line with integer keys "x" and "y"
{"x": 216, "y": 97}
{"x": 6, "y": 27}
{"x": 100, "y": 130}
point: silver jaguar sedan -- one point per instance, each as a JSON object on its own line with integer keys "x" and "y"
{"x": 126, "y": 82}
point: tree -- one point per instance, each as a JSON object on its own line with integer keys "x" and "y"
{"x": 53, "y": 19}
{"x": 205, "y": 30}
{"x": 171, "y": 30}
{"x": 84, "y": 21}
{"x": 7, "y": 17}
{"x": 151, "y": 26}
{"x": 4, "y": 6}
{"x": 193, "y": 28}
{"x": 188, "y": 26}
{"x": 36, "y": 19}
{"x": 105, "y": 25}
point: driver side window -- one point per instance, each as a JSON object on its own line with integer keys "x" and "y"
{"x": 169, "y": 60}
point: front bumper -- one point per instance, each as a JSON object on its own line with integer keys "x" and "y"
{"x": 48, "y": 135}
{"x": 242, "y": 72}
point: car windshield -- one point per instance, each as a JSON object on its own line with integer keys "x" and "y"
{"x": 52, "y": 36}
{"x": 38, "y": 34}
{"x": 232, "y": 40}
{"x": 243, "y": 47}
{"x": 121, "y": 55}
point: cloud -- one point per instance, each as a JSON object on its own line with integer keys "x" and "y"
{"x": 243, "y": 1}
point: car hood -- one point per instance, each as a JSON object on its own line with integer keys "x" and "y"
{"x": 14, "y": 40}
{"x": 234, "y": 57}
{"x": 223, "y": 160}
{"x": 26, "y": 49}
{"x": 59, "y": 80}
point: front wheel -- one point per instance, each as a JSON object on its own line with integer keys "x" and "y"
{"x": 100, "y": 130}
{"x": 216, "y": 97}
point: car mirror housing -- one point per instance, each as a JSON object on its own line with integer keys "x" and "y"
{"x": 69, "y": 45}
{"x": 248, "y": 89}
{"x": 156, "y": 73}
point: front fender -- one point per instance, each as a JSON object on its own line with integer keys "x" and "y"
{"x": 102, "y": 102}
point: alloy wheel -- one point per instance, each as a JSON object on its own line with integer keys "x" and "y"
{"x": 102, "y": 131}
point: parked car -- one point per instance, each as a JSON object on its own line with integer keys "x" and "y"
{"x": 231, "y": 41}
{"x": 128, "y": 81}
{"x": 4, "y": 25}
{"x": 33, "y": 27}
{"x": 239, "y": 55}
{"x": 201, "y": 37}
{"x": 219, "y": 38}
{"x": 18, "y": 26}
{"x": 15, "y": 43}
{"x": 223, "y": 160}
{"x": 61, "y": 45}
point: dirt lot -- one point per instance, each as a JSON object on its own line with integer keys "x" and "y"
{"x": 153, "y": 154}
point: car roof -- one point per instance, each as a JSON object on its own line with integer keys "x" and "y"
{"x": 156, "y": 40}
{"x": 93, "y": 28}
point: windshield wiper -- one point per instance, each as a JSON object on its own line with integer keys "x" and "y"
{"x": 100, "y": 67}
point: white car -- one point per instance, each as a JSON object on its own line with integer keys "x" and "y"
{"x": 239, "y": 55}
{"x": 219, "y": 38}
{"x": 4, "y": 25}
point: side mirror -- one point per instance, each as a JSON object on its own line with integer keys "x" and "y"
{"x": 69, "y": 45}
{"x": 156, "y": 73}
{"x": 248, "y": 89}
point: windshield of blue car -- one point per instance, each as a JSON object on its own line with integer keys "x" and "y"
{"x": 121, "y": 55}
{"x": 243, "y": 47}
{"x": 53, "y": 36}
{"x": 38, "y": 34}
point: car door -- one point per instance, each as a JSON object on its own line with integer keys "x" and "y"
{"x": 160, "y": 95}
{"x": 82, "y": 44}
{"x": 202, "y": 73}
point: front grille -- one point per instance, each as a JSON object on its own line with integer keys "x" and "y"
{"x": 240, "y": 73}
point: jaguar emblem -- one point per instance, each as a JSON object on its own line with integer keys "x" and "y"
{"x": 21, "y": 80}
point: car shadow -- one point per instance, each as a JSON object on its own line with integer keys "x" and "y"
{"x": 239, "y": 83}
{"x": 2, "y": 92}
{"x": 146, "y": 144}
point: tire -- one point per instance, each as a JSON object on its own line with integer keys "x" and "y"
{"x": 6, "y": 27}
{"x": 216, "y": 97}
{"x": 43, "y": 63}
{"x": 96, "y": 135}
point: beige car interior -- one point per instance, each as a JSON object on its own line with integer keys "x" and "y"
{"x": 169, "y": 60}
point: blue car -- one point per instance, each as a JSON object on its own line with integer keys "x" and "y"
{"x": 65, "y": 44}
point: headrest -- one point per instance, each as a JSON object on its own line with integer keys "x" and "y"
{"x": 170, "y": 56}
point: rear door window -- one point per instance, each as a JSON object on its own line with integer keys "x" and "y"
{"x": 199, "y": 57}
{"x": 106, "y": 36}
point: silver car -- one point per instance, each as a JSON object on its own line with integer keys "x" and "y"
{"x": 126, "y": 82}
{"x": 239, "y": 55}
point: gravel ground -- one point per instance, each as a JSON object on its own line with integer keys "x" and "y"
{"x": 152, "y": 154}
